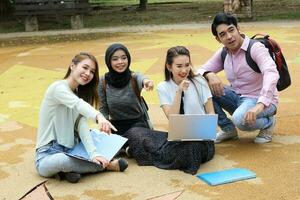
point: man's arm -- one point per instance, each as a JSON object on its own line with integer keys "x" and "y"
{"x": 209, "y": 70}
{"x": 215, "y": 84}
{"x": 267, "y": 66}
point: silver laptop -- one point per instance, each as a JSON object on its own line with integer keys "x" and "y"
{"x": 192, "y": 127}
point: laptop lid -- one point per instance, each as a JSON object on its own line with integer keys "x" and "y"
{"x": 192, "y": 127}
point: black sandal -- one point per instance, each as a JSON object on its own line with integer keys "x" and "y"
{"x": 71, "y": 177}
{"x": 123, "y": 164}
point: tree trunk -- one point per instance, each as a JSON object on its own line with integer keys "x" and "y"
{"x": 240, "y": 8}
{"x": 5, "y": 8}
{"x": 143, "y": 4}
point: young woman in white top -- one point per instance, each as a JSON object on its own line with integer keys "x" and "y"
{"x": 181, "y": 83}
{"x": 152, "y": 147}
{"x": 68, "y": 102}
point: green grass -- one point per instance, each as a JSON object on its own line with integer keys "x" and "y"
{"x": 11, "y": 26}
{"x": 277, "y": 9}
{"x": 164, "y": 14}
{"x": 135, "y": 2}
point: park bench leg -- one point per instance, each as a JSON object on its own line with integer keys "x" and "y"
{"x": 31, "y": 23}
{"x": 248, "y": 9}
{"x": 227, "y": 6}
{"x": 77, "y": 21}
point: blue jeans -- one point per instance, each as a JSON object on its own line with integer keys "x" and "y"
{"x": 51, "y": 159}
{"x": 237, "y": 106}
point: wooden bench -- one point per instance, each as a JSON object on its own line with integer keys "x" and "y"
{"x": 32, "y": 10}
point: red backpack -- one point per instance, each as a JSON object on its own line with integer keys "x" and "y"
{"x": 276, "y": 54}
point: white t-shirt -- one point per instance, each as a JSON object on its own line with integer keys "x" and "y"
{"x": 194, "y": 98}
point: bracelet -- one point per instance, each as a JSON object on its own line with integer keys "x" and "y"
{"x": 205, "y": 74}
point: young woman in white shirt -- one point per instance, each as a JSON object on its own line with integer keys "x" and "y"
{"x": 181, "y": 83}
{"x": 150, "y": 147}
{"x": 68, "y": 102}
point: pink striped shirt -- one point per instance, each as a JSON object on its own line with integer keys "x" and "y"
{"x": 243, "y": 79}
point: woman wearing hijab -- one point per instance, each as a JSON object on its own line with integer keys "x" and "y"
{"x": 119, "y": 101}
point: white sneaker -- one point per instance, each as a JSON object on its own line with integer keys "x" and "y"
{"x": 265, "y": 135}
{"x": 226, "y": 135}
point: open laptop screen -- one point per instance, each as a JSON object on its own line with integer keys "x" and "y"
{"x": 192, "y": 127}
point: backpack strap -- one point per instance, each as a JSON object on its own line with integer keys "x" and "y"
{"x": 223, "y": 55}
{"x": 137, "y": 91}
{"x": 249, "y": 59}
{"x": 135, "y": 86}
{"x": 103, "y": 85}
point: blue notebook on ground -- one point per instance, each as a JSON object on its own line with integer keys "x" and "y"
{"x": 226, "y": 176}
{"x": 107, "y": 145}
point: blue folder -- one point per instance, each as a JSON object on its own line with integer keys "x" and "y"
{"x": 226, "y": 176}
{"x": 107, "y": 146}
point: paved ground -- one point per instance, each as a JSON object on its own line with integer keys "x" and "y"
{"x": 26, "y": 71}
